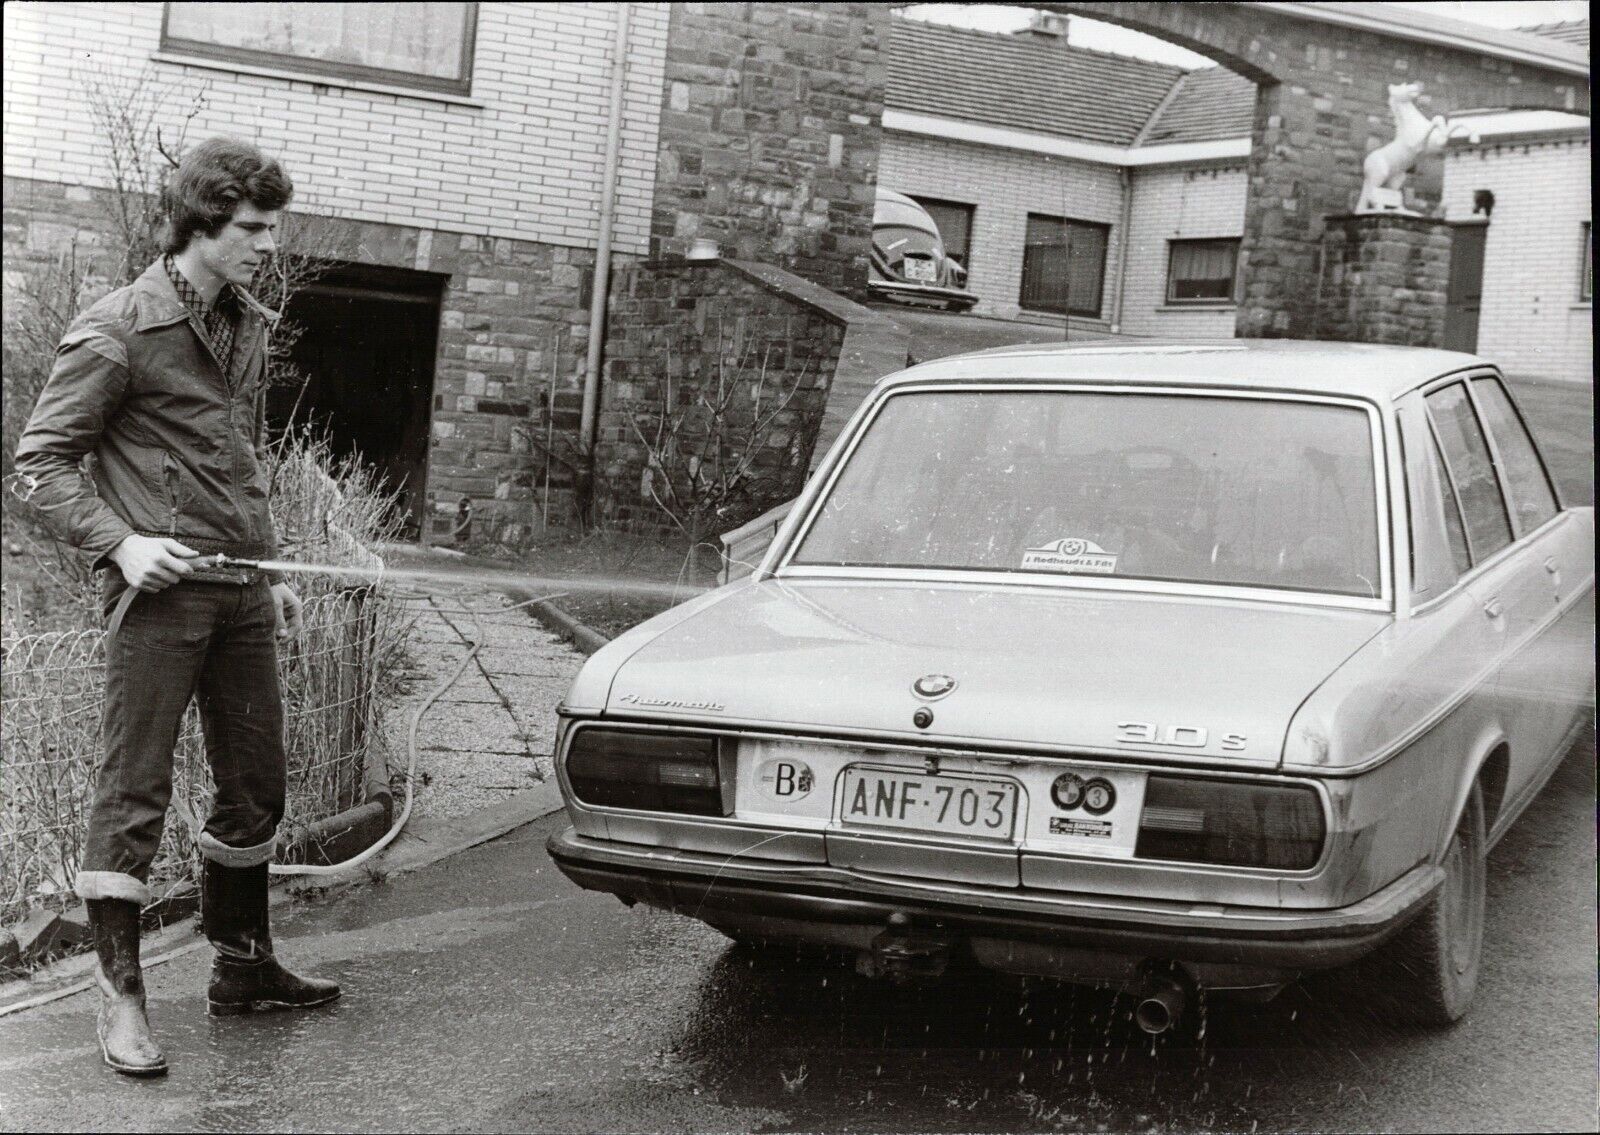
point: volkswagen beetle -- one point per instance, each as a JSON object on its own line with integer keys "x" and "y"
{"x": 1165, "y": 668}
{"x": 909, "y": 263}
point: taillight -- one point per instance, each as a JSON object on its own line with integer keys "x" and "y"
{"x": 657, "y": 772}
{"x": 1231, "y": 823}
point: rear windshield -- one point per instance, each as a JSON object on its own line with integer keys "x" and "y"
{"x": 1219, "y": 490}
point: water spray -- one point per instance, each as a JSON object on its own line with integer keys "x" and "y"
{"x": 491, "y": 576}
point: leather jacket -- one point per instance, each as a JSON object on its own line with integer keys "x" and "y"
{"x": 175, "y": 446}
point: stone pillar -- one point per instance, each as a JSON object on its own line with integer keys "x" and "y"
{"x": 1384, "y": 280}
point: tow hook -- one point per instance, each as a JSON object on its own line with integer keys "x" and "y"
{"x": 902, "y": 954}
{"x": 1159, "y": 1002}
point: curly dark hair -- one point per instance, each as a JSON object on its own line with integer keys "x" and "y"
{"x": 206, "y": 188}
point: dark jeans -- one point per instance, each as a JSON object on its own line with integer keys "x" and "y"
{"x": 214, "y": 641}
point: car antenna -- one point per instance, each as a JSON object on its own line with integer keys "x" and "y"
{"x": 1066, "y": 278}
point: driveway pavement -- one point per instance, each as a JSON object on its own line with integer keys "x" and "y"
{"x": 492, "y": 732}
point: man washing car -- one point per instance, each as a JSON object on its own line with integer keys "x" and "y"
{"x": 162, "y": 385}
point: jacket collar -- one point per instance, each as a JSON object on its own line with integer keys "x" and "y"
{"x": 157, "y": 304}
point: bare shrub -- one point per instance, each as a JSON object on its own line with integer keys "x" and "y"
{"x": 723, "y": 449}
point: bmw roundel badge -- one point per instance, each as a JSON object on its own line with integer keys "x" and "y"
{"x": 931, "y": 687}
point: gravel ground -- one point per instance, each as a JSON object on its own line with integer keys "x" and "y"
{"x": 492, "y": 731}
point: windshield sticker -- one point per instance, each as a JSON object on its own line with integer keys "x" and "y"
{"x": 1070, "y": 554}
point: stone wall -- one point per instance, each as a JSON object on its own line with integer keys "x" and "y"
{"x": 514, "y": 330}
{"x": 1384, "y": 280}
{"x": 682, "y": 330}
{"x": 769, "y": 135}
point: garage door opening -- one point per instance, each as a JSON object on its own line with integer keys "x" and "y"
{"x": 369, "y": 337}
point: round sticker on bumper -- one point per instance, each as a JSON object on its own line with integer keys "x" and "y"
{"x": 785, "y": 780}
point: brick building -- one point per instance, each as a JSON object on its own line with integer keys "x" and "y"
{"x": 1002, "y": 136}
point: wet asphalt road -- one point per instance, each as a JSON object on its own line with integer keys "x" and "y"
{"x": 488, "y": 993}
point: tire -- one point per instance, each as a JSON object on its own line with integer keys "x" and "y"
{"x": 1433, "y": 963}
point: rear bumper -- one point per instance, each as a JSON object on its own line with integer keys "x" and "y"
{"x": 716, "y": 889}
{"x": 958, "y": 298}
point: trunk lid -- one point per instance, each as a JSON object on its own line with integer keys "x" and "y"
{"x": 1093, "y": 672}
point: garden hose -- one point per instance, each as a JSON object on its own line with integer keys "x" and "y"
{"x": 317, "y": 869}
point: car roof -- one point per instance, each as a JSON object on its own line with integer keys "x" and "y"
{"x": 893, "y": 208}
{"x": 1362, "y": 370}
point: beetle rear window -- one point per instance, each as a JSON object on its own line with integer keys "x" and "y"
{"x": 1217, "y": 490}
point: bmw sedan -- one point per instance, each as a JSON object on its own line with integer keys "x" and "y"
{"x": 1163, "y": 668}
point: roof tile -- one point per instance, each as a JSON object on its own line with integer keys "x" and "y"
{"x": 1209, "y": 105}
{"x": 1025, "y": 81}
{"x": 1567, "y": 31}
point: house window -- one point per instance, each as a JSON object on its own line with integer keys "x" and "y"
{"x": 1586, "y": 273}
{"x": 1064, "y": 265}
{"x": 1201, "y": 271}
{"x": 426, "y": 45}
{"x": 955, "y": 226}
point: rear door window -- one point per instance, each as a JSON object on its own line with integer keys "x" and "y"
{"x": 1466, "y": 456}
{"x": 1532, "y": 498}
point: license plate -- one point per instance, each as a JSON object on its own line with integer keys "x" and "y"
{"x": 953, "y": 805}
{"x": 922, "y": 271}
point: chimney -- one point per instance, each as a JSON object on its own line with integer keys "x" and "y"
{"x": 1052, "y": 25}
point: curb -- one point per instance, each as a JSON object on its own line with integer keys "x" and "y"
{"x": 425, "y": 842}
{"x": 583, "y": 636}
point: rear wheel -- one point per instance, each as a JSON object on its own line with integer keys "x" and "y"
{"x": 1433, "y": 962}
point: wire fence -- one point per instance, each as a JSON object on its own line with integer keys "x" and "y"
{"x": 51, "y": 689}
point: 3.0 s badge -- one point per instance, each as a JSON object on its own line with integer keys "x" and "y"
{"x": 1175, "y": 736}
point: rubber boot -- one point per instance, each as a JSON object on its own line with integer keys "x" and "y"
{"x": 123, "y": 1025}
{"x": 246, "y": 977}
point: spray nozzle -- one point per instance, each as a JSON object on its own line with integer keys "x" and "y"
{"x": 221, "y": 560}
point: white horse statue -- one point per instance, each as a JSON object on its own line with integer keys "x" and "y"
{"x": 1386, "y": 167}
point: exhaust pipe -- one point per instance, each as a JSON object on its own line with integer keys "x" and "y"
{"x": 1161, "y": 1001}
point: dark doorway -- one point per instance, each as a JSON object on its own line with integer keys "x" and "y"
{"x": 1465, "y": 297}
{"x": 369, "y": 336}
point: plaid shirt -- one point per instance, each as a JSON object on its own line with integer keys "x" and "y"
{"x": 220, "y": 319}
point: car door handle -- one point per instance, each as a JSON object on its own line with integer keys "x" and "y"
{"x": 1554, "y": 569}
{"x": 1493, "y": 609}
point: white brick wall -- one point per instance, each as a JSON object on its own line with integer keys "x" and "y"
{"x": 1005, "y": 186}
{"x": 1532, "y": 321}
{"x": 1177, "y": 204}
{"x": 527, "y": 164}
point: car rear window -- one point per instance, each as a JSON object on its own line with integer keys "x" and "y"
{"x": 1199, "y": 489}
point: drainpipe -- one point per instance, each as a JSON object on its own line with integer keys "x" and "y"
{"x": 602, "y": 255}
{"x": 1122, "y": 248}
